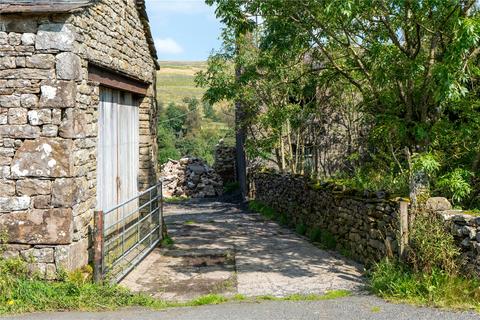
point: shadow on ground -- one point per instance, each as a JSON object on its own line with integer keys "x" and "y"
{"x": 220, "y": 247}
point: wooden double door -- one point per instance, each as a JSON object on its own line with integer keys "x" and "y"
{"x": 118, "y": 151}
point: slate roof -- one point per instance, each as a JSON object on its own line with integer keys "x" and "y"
{"x": 63, "y": 6}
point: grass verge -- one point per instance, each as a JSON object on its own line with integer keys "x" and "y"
{"x": 397, "y": 282}
{"x": 21, "y": 292}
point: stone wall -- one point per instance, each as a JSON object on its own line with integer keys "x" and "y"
{"x": 465, "y": 228}
{"x": 224, "y": 164}
{"x": 48, "y": 125}
{"x": 365, "y": 227}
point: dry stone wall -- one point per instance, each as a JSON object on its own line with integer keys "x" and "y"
{"x": 48, "y": 125}
{"x": 465, "y": 229}
{"x": 224, "y": 164}
{"x": 364, "y": 227}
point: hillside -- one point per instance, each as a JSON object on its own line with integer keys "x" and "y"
{"x": 183, "y": 132}
{"x": 176, "y": 80}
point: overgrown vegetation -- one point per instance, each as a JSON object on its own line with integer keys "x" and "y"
{"x": 389, "y": 87}
{"x": 430, "y": 275}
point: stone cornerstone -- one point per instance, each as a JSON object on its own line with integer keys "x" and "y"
{"x": 48, "y": 123}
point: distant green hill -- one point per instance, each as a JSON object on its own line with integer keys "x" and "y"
{"x": 175, "y": 81}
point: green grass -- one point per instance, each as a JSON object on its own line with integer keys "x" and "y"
{"x": 167, "y": 242}
{"x": 263, "y": 209}
{"x": 22, "y": 292}
{"x": 375, "y": 309}
{"x": 176, "y": 199}
{"x": 396, "y": 282}
{"x": 176, "y": 80}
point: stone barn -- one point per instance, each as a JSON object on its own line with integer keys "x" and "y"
{"x": 77, "y": 122}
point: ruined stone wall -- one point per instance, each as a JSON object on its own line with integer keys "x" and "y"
{"x": 365, "y": 227}
{"x": 48, "y": 125}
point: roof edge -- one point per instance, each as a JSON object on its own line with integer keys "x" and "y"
{"x": 142, "y": 10}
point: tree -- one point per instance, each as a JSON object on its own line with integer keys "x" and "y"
{"x": 411, "y": 62}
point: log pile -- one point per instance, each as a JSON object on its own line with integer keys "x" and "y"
{"x": 190, "y": 177}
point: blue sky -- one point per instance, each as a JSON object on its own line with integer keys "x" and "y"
{"x": 184, "y": 30}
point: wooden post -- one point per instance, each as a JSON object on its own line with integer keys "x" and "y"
{"x": 404, "y": 222}
{"x": 98, "y": 246}
{"x": 163, "y": 228}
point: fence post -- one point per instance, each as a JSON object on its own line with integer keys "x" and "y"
{"x": 404, "y": 224}
{"x": 98, "y": 246}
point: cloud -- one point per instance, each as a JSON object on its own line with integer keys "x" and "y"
{"x": 168, "y": 46}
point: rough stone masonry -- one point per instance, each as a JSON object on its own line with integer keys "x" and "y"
{"x": 365, "y": 225}
{"x": 48, "y": 121}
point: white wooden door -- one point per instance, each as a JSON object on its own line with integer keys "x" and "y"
{"x": 118, "y": 153}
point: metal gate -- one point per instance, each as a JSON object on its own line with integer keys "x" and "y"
{"x": 125, "y": 234}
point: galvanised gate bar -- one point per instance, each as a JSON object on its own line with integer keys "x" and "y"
{"x": 125, "y": 234}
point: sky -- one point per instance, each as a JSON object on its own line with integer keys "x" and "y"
{"x": 184, "y": 30}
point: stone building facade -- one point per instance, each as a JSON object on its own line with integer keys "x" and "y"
{"x": 55, "y": 58}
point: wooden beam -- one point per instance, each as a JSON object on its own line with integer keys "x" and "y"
{"x": 41, "y": 8}
{"x": 115, "y": 80}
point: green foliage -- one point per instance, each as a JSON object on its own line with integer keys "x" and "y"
{"x": 456, "y": 184}
{"x": 22, "y": 291}
{"x": 301, "y": 229}
{"x": 167, "y": 242}
{"x": 314, "y": 234}
{"x": 283, "y": 219}
{"x": 231, "y": 187}
{"x": 263, "y": 209}
{"x": 322, "y": 236}
{"x": 426, "y": 162}
{"x": 410, "y": 70}
{"x": 166, "y": 145}
{"x": 431, "y": 247}
{"x": 328, "y": 240}
{"x": 176, "y": 199}
{"x": 395, "y": 281}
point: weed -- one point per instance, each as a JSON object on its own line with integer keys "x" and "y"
{"x": 208, "y": 299}
{"x": 301, "y": 229}
{"x": 283, "y": 219}
{"x": 375, "y": 309}
{"x": 175, "y": 199}
{"x": 327, "y": 239}
{"x": 189, "y": 222}
{"x": 314, "y": 234}
{"x": 262, "y": 208}
{"x": 398, "y": 282}
{"x": 167, "y": 242}
{"x": 431, "y": 247}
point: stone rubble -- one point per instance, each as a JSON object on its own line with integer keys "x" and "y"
{"x": 190, "y": 177}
